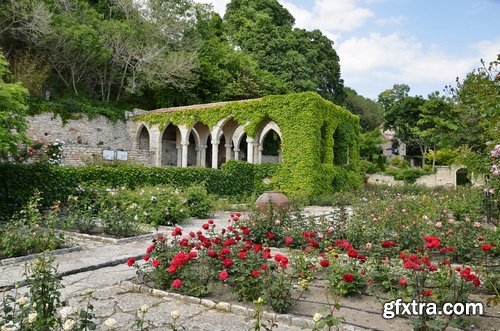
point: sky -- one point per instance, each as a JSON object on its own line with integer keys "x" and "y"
{"x": 424, "y": 44}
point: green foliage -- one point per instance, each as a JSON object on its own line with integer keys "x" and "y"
{"x": 19, "y": 181}
{"x": 309, "y": 122}
{"x": 13, "y": 99}
{"x": 399, "y": 162}
{"x": 444, "y": 156}
{"x": 29, "y": 231}
{"x": 370, "y": 113}
{"x": 198, "y": 201}
{"x": 409, "y": 175}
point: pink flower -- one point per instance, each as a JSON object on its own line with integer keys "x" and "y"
{"x": 223, "y": 275}
{"x": 288, "y": 241}
{"x": 177, "y": 283}
{"x": 403, "y": 281}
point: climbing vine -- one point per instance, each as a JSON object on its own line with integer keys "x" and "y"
{"x": 308, "y": 124}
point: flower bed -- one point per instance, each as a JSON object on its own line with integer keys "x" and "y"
{"x": 381, "y": 249}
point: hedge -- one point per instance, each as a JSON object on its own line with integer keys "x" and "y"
{"x": 19, "y": 181}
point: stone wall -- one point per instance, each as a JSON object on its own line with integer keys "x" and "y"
{"x": 95, "y": 132}
{"x": 85, "y": 139}
{"x": 444, "y": 176}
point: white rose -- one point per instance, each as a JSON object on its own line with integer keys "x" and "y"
{"x": 110, "y": 322}
{"x": 175, "y": 314}
{"x": 21, "y": 301}
{"x": 32, "y": 317}
{"x": 68, "y": 325}
{"x": 317, "y": 317}
{"x": 65, "y": 312}
{"x": 144, "y": 308}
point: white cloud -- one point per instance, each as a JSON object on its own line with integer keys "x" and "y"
{"x": 219, "y": 5}
{"x": 376, "y": 62}
{"x": 393, "y": 20}
{"x": 330, "y": 15}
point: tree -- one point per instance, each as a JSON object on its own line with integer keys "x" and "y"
{"x": 13, "y": 98}
{"x": 401, "y": 113}
{"x": 302, "y": 60}
{"x": 435, "y": 125}
{"x": 369, "y": 111}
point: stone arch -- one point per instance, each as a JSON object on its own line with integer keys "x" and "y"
{"x": 143, "y": 138}
{"x": 204, "y": 144}
{"x": 461, "y": 177}
{"x": 171, "y": 139}
{"x": 223, "y": 131}
{"x": 265, "y": 128}
{"x": 193, "y": 149}
{"x": 240, "y": 146}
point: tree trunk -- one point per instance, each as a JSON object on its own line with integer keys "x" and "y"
{"x": 434, "y": 158}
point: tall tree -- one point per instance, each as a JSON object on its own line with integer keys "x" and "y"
{"x": 369, "y": 111}
{"x": 302, "y": 60}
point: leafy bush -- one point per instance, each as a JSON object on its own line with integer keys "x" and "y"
{"x": 367, "y": 167}
{"x": 198, "y": 201}
{"x": 30, "y": 232}
{"x": 409, "y": 175}
{"x": 399, "y": 162}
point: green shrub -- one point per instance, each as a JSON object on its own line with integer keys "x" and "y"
{"x": 409, "y": 175}
{"x": 399, "y": 162}
{"x": 198, "y": 201}
{"x": 29, "y": 231}
{"x": 367, "y": 167}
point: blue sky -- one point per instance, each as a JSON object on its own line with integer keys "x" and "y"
{"x": 425, "y": 44}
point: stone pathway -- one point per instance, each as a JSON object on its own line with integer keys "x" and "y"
{"x": 100, "y": 266}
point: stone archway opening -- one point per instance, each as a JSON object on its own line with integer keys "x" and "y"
{"x": 340, "y": 148}
{"x": 221, "y": 158}
{"x": 243, "y": 148}
{"x": 461, "y": 177}
{"x": 271, "y": 147}
{"x": 170, "y": 142}
{"x": 192, "y": 153}
{"x": 143, "y": 139}
{"x": 208, "y": 151}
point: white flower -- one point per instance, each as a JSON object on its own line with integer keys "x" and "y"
{"x": 110, "y": 322}
{"x": 175, "y": 314}
{"x": 21, "y": 301}
{"x": 317, "y": 317}
{"x": 10, "y": 327}
{"x": 69, "y": 325}
{"x": 32, "y": 317}
{"x": 66, "y": 311}
{"x": 144, "y": 308}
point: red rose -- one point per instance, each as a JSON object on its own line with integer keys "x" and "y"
{"x": 388, "y": 244}
{"x": 486, "y": 247}
{"x": 150, "y": 249}
{"x": 156, "y": 263}
{"x": 426, "y": 293}
{"x": 227, "y": 263}
{"x": 130, "y": 261}
{"x": 177, "y": 283}
{"x": 288, "y": 241}
{"x": 177, "y": 231}
{"x": 255, "y": 273}
{"x": 223, "y": 275}
{"x": 263, "y": 267}
{"x": 403, "y": 281}
{"x": 146, "y": 258}
{"x": 172, "y": 269}
{"x": 348, "y": 278}
{"x": 210, "y": 221}
{"x": 205, "y": 226}
{"x": 352, "y": 253}
{"x": 242, "y": 255}
{"x": 324, "y": 263}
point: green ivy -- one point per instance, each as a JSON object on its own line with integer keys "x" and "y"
{"x": 308, "y": 124}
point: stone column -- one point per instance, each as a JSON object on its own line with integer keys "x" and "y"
{"x": 215, "y": 154}
{"x": 250, "y": 153}
{"x": 236, "y": 154}
{"x": 155, "y": 145}
{"x": 259, "y": 158}
{"x": 229, "y": 153}
{"x": 179, "y": 155}
{"x": 184, "y": 155}
{"x": 203, "y": 156}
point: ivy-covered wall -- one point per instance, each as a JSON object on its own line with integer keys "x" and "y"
{"x": 308, "y": 124}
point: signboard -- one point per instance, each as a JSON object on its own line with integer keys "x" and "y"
{"x": 108, "y": 155}
{"x": 121, "y": 155}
